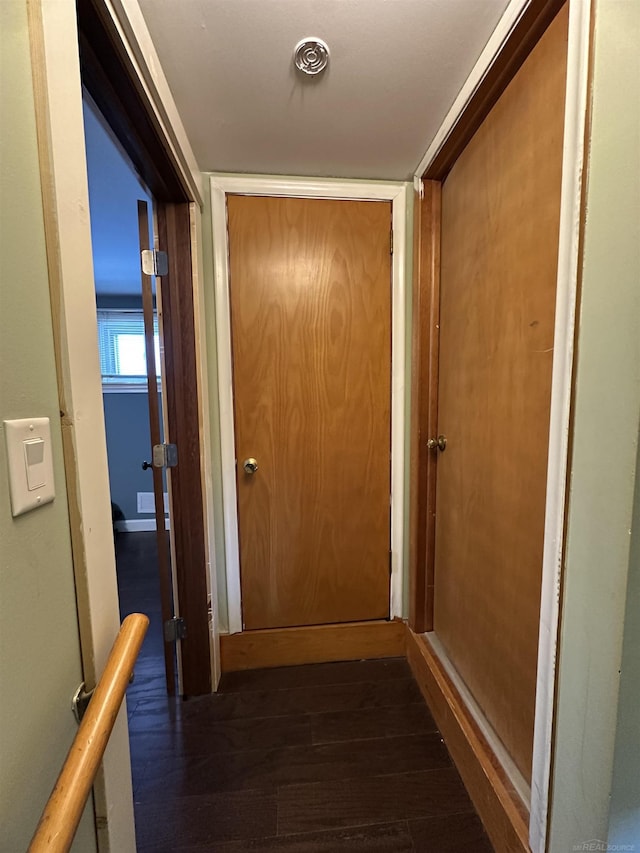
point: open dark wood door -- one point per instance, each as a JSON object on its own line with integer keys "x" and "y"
{"x": 182, "y": 425}
{"x": 162, "y": 539}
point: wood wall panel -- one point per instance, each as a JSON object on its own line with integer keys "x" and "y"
{"x": 499, "y": 245}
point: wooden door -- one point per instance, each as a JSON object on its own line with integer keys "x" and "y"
{"x": 155, "y": 431}
{"x": 310, "y": 291}
{"x": 182, "y": 409}
{"x": 499, "y": 246}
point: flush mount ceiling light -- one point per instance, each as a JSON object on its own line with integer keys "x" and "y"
{"x": 311, "y": 56}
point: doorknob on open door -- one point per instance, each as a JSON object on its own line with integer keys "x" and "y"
{"x": 146, "y": 465}
{"x": 438, "y": 443}
{"x": 250, "y": 465}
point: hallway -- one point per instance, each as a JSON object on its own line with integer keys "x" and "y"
{"x": 310, "y": 759}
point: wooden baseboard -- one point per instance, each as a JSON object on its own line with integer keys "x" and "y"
{"x": 312, "y": 644}
{"x": 503, "y": 813}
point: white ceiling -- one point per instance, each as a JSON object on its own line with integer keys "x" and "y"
{"x": 396, "y": 67}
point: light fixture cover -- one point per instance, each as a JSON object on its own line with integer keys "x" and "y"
{"x": 311, "y": 55}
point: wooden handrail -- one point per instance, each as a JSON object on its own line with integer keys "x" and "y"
{"x": 62, "y": 813}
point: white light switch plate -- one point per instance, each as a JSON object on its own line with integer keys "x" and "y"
{"x": 30, "y": 463}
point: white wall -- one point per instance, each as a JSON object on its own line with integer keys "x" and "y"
{"x": 603, "y": 462}
{"x": 624, "y": 822}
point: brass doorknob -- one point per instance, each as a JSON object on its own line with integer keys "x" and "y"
{"x": 250, "y": 465}
{"x": 438, "y": 443}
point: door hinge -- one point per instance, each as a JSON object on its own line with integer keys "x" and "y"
{"x": 391, "y": 242}
{"x": 165, "y": 455}
{"x": 175, "y": 629}
{"x": 154, "y": 262}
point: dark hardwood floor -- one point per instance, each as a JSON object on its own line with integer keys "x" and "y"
{"x": 326, "y": 758}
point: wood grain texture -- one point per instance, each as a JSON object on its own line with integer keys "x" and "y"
{"x": 323, "y": 699}
{"x": 153, "y": 398}
{"x": 463, "y": 834}
{"x": 341, "y": 672}
{"x": 533, "y": 22}
{"x": 310, "y": 288}
{"x": 174, "y": 235}
{"x": 500, "y": 223}
{"x": 312, "y": 644}
{"x": 424, "y": 396}
{"x": 387, "y": 721}
{"x": 378, "y": 838}
{"x": 348, "y": 746}
{"x": 503, "y": 814}
{"x": 378, "y": 798}
{"x": 265, "y": 767}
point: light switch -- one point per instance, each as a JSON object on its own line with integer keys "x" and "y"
{"x": 31, "y": 483}
{"x": 34, "y": 460}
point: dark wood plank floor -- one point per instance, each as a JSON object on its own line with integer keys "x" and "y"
{"x": 310, "y": 759}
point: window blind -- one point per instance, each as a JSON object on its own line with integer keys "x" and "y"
{"x": 122, "y": 347}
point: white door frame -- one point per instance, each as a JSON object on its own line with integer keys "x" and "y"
{"x": 573, "y": 157}
{"x": 396, "y": 193}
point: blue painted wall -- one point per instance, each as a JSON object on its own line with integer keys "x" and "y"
{"x": 128, "y": 444}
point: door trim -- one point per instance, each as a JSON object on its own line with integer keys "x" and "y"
{"x": 571, "y": 225}
{"x": 394, "y": 192}
{"x": 569, "y": 250}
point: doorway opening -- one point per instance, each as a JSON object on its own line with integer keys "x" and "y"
{"x": 143, "y": 555}
{"x": 112, "y": 82}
